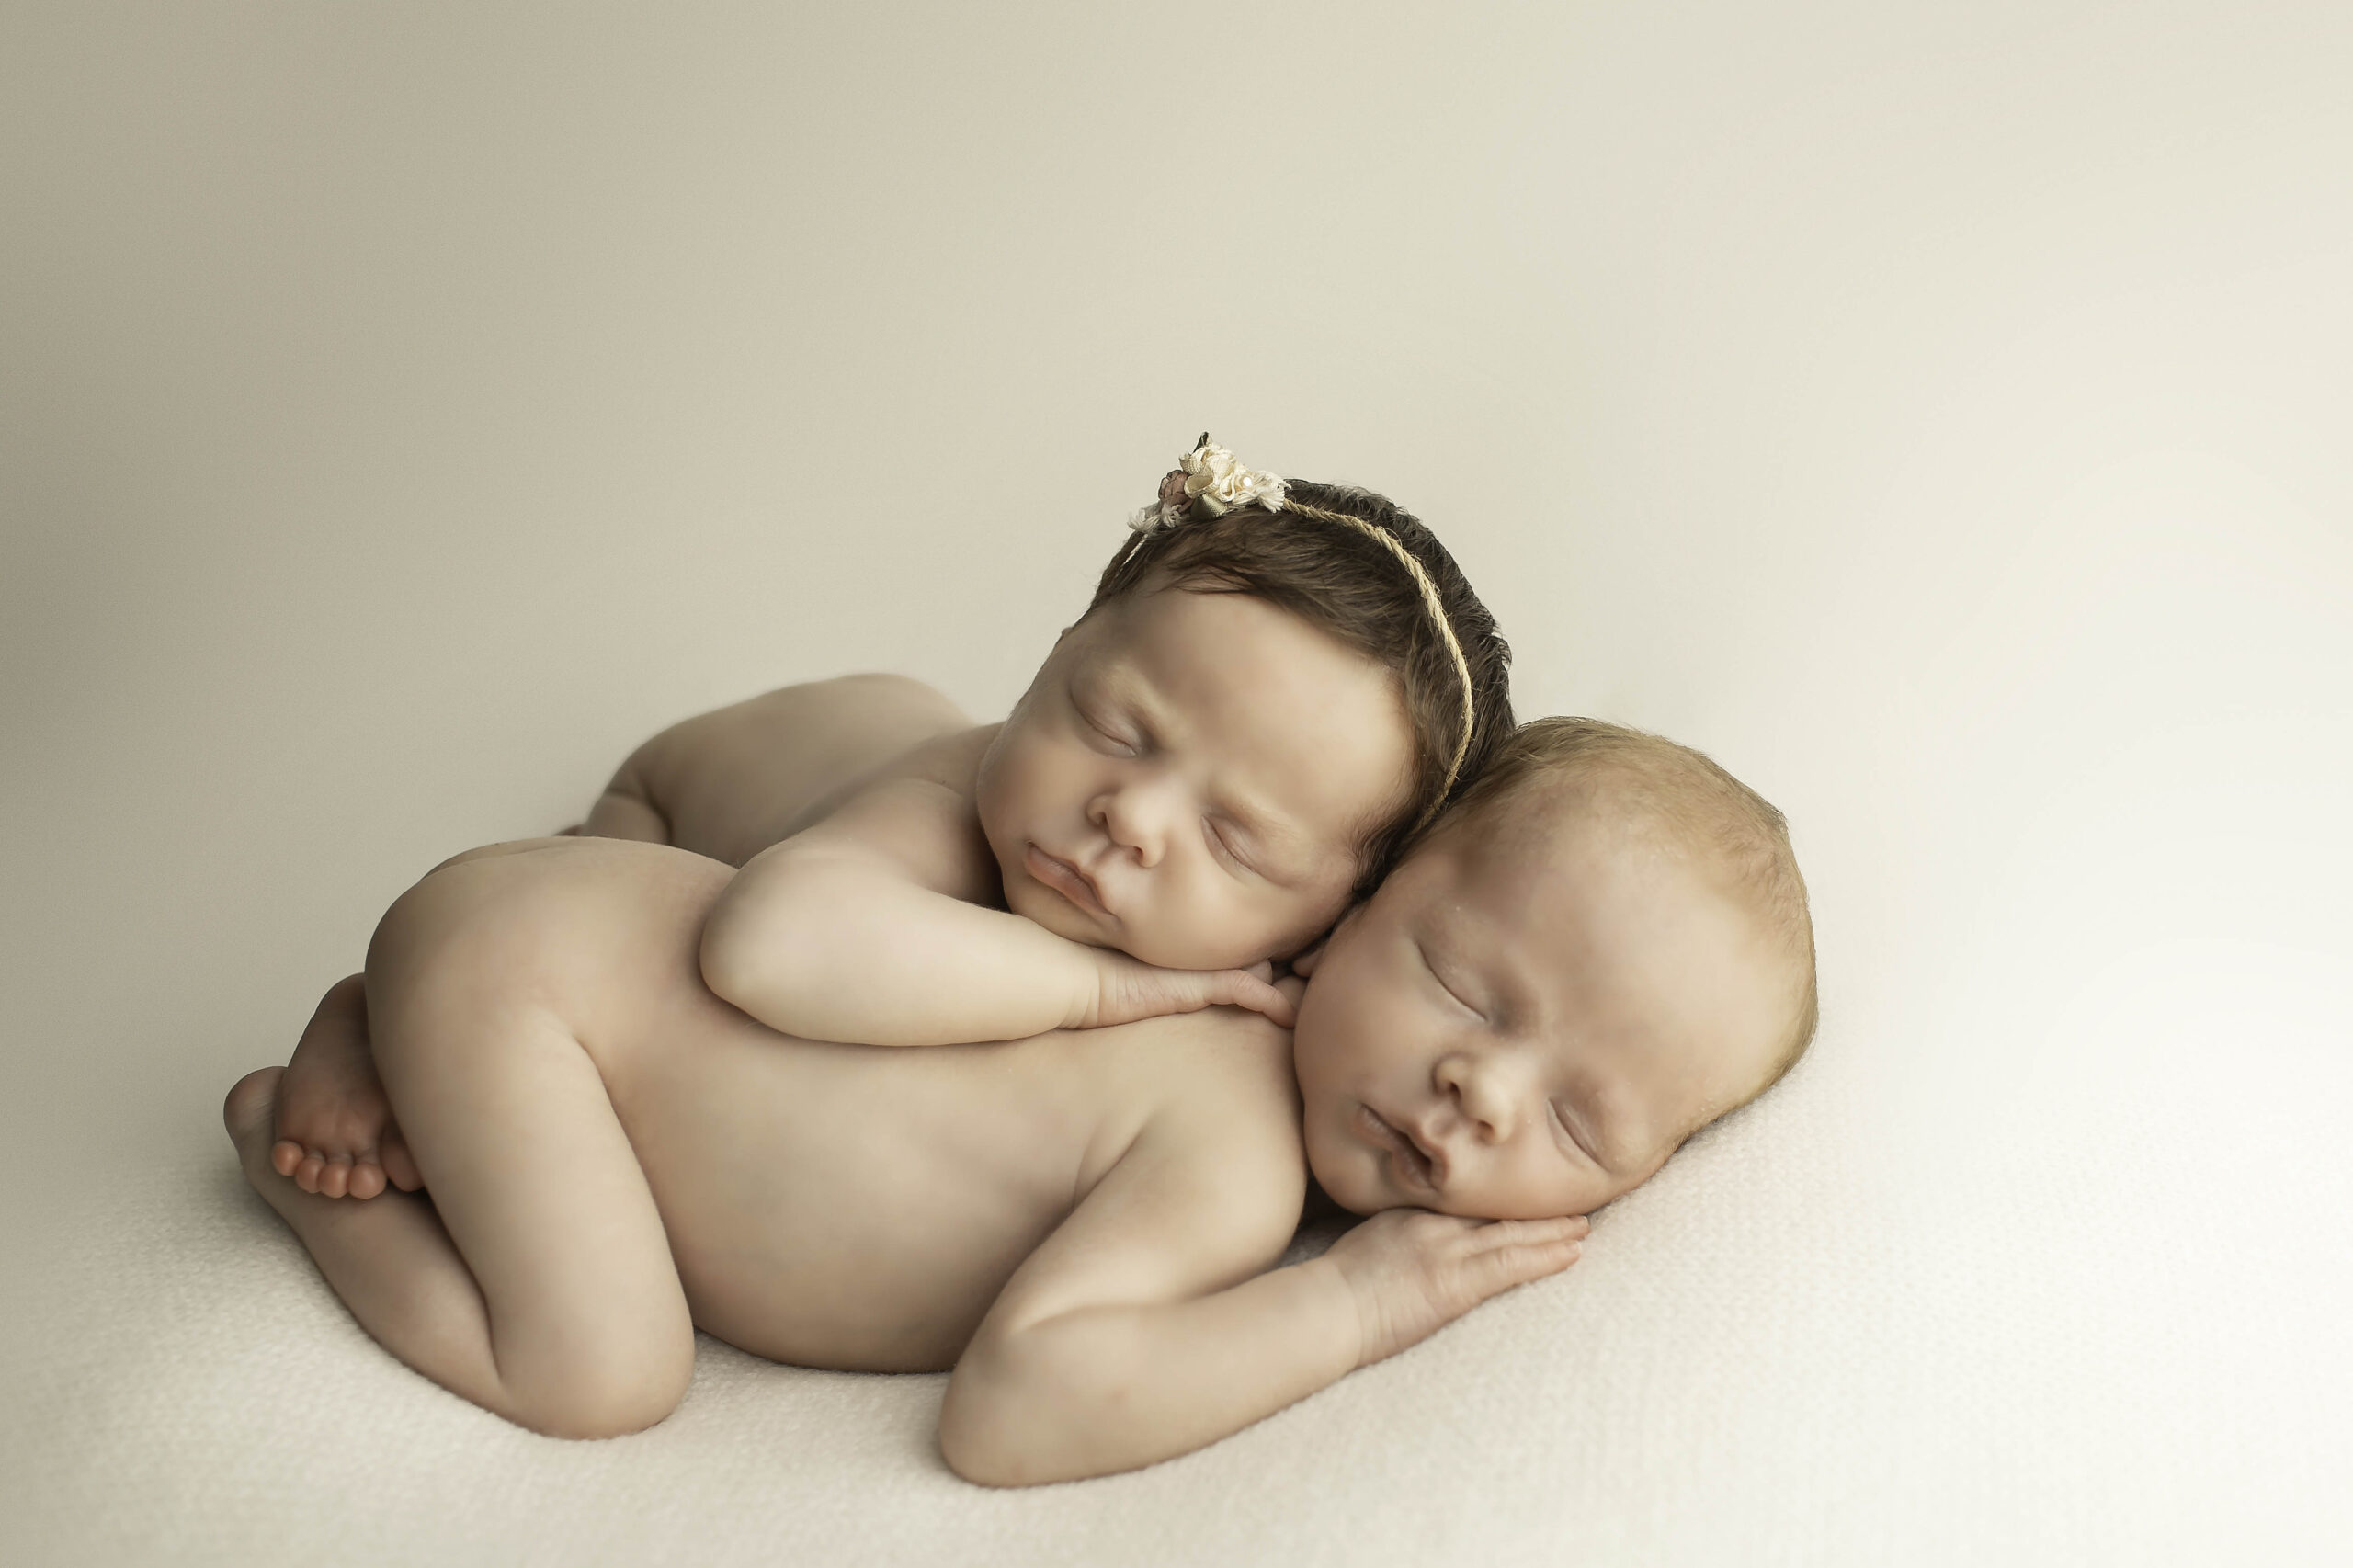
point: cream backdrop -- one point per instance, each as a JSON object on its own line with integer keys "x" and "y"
{"x": 1938, "y": 413}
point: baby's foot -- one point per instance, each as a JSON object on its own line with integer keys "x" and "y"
{"x": 246, "y": 1113}
{"x": 334, "y": 1130}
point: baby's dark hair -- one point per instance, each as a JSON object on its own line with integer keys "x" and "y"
{"x": 1336, "y": 574}
{"x": 1686, "y": 800}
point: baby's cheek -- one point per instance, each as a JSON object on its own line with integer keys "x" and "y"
{"x": 1331, "y": 1173}
{"x": 1197, "y": 929}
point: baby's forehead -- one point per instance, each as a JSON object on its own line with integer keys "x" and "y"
{"x": 1606, "y": 911}
{"x": 1537, "y": 827}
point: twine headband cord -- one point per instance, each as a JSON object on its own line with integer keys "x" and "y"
{"x": 1209, "y": 483}
{"x": 1436, "y": 607}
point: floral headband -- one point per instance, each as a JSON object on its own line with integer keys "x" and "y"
{"x": 1209, "y": 481}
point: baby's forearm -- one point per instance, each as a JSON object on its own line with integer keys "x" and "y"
{"x": 840, "y": 954}
{"x": 1111, "y": 1388}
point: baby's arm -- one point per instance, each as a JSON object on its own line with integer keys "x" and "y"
{"x": 1143, "y": 1328}
{"x": 869, "y": 928}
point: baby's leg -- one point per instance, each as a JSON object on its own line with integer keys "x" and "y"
{"x": 730, "y": 783}
{"x": 624, "y": 812}
{"x": 390, "y": 1260}
{"x": 335, "y": 1134}
{"x": 537, "y": 1281}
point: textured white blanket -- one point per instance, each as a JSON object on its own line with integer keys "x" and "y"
{"x": 2100, "y": 1323}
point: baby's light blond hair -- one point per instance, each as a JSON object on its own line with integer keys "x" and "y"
{"x": 1684, "y": 798}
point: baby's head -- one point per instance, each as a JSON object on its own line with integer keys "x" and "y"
{"x": 1601, "y": 948}
{"x": 1277, "y": 683}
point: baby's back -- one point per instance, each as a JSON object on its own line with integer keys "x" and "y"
{"x": 835, "y": 1206}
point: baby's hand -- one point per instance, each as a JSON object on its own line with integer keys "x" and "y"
{"x": 1127, "y": 989}
{"x": 1413, "y": 1272}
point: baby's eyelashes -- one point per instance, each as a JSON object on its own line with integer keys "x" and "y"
{"x": 1227, "y": 848}
{"x": 1109, "y": 735}
{"x": 1453, "y": 990}
{"x": 1577, "y": 1142}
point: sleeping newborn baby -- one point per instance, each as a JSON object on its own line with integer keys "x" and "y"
{"x": 1278, "y": 683}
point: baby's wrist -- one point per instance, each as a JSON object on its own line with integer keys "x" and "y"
{"x": 1092, "y": 981}
{"x": 1338, "y": 1299}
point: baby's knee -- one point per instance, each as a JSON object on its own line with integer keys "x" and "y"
{"x": 449, "y": 937}
{"x": 846, "y": 706}
{"x": 899, "y": 698}
{"x": 880, "y": 685}
{"x": 627, "y": 1394}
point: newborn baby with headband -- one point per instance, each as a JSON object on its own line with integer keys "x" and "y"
{"x": 1598, "y": 946}
{"x": 1276, "y": 683}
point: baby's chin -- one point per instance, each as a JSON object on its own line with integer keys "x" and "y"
{"x": 1039, "y": 906}
{"x": 1344, "y": 1174}
{"x": 1176, "y": 947}
{"x": 1043, "y": 906}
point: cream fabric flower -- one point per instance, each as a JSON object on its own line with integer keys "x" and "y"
{"x": 1208, "y": 483}
{"x": 1214, "y": 474}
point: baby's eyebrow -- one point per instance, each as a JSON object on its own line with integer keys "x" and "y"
{"x": 1116, "y": 680}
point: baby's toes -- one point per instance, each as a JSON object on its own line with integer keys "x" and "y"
{"x": 367, "y": 1178}
{"x": 335, "y": 1180}
{"x": 285, "y": 1156}
{"x": 307, "y": 1174}
{"x": 399, "y": 1166}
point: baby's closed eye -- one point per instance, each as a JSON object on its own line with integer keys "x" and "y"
{"x": 1454, "y": 990}
{"x": 1229, "y": 846}
{"x": 1110, "y": 732}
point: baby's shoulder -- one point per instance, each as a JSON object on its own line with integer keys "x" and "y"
{"x": 957, "y": 756}
{"x": 935, "y": 779}
{"x": 1213, "y": 1053}
{"x": 1219, "y": 1095}
{"x": 951, "y": 761}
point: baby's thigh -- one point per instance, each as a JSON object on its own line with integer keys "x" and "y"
{"x": 589, "y": 932}
{"x": 486, "y": 984}
{"x": 733, "y": 781}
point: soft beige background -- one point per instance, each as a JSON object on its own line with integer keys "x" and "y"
{"x": 1940, "y": 413}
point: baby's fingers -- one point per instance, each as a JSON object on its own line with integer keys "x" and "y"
{"x": 1497, "y": 1233}
{"x": 1513, "y": 1252}
{"x": 1250, "y": 991}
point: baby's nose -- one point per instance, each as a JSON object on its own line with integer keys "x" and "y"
{"x": 1481, "y": 1096}
{"x": 1135, "y": 818}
